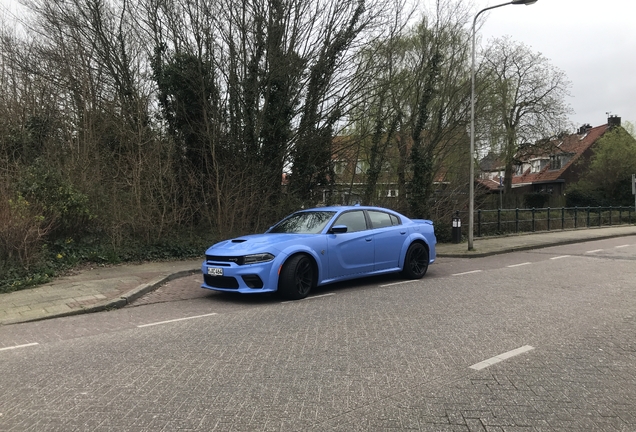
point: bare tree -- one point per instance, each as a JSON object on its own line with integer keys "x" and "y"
{"x": 522, "y": 99}
{"x": 89, "y": 53}
{"x": 418, "y": 105}
{"x": 257, "y": 88}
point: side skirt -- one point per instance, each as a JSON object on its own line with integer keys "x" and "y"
{"x": 360, "y": 275}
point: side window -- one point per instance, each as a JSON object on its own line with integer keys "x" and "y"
{"x": 380, "y": 219}
{"x": 395, "y": 220}
{"x": 354, "y": 220}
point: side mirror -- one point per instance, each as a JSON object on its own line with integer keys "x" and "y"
{"x": 339, "y": 229}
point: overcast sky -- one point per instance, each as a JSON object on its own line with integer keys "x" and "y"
{"x": 592, "y": 41}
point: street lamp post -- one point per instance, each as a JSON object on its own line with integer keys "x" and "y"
{"x": 471, "y": 187}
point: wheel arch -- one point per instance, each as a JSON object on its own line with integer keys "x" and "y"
{"x": 312, "y": 259}
{"x": 407, "y": 244}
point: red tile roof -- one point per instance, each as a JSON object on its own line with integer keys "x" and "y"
{"x": 574, "y": 144}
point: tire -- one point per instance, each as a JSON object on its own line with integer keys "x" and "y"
{"x": 416, "y": 261}
{"x": 297, "y": 277}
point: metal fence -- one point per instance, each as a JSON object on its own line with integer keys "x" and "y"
{"x": 506, "y": 221}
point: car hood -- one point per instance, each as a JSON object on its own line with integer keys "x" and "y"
{"x": 256, "y": 243}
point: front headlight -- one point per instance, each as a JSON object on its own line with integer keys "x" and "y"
{"x": 257, "y": 258}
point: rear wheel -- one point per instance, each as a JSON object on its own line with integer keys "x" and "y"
{"x": 416, "y": 261}
{"x": 296, "y": 277}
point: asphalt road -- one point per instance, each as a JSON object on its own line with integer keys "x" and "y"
{"x": 527, "y": 341}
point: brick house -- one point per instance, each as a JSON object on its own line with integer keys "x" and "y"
{"x": 546, "y": 168}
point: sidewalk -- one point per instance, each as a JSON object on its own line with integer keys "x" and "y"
{"x": 91, "y": 290}
{"x": 486, "y": 246}
{"x": 104, "y": 288}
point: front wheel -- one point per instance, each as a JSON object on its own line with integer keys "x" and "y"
{"x": 296, "y": 277}
{"x": 416, "y": 261}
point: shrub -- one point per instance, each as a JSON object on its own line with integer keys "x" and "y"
{"x": 443, "y": 231}
{"x": 65, "y": 209}
{"x": 536, "y": 200}
{"x": 583, "y": 196}
{"x": 22, "y": 232}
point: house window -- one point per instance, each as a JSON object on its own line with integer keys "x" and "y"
{"x": 558, "y": 161}
{"x": 544, "y": 189}
{"x": 390, "y": 193}
{"x": 536, "y": 166}
{"x": 555, "y": 162}
{"x": 339, "y": 167}
{"x": 362, "y": 167}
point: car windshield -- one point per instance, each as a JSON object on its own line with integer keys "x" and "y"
{"x": 303, "y": 223}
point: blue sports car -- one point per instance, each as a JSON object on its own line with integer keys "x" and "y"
{"x": 320, "y": 246}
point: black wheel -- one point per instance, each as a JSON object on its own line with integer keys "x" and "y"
{"x": 297, "y": 277}
{"x": 416, "y": 261}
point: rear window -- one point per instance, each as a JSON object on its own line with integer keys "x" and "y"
{"x": 382, "y": 219}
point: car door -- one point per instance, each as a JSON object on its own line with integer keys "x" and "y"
{"x": 352, "y": 252}
{"x": 388, "y": 238}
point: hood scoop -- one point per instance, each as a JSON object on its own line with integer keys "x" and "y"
{"x": 239, "y": 241}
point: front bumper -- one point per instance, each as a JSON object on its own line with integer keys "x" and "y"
{"x": 244, "y": 279}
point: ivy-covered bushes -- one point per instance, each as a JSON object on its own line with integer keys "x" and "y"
{"x": 48, "y": 227}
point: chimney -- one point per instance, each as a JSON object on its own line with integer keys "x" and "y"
{"x": 613, "y": 121}
{"x": 585, "y": 129}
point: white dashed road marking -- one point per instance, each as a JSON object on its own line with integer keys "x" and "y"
{"x": 19, "y": 346}
{"x": 595, "y": 250}
{"x": 491, "y": 361}
{"x": 468, "y": 272}
{"x": 622, "y": 246}
{"x": 175, "y": 320}
{"x": 396, "y": 283}
{"x": 310, "y": 298}
{"x": 559, "y": 257}
{"x": 519, "y": 265}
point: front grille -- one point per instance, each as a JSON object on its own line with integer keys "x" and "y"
{"x": 221, "y": 281}
{"x": 228, "y": 259}
{"x": 253, "y": 281}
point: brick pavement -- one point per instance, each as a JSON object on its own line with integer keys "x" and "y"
{"x": 185, "y": 288}
{"x": 368, "y": 359}
{"x": 586, "y": 384}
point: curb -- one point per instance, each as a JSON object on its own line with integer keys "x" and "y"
{"x": 144, "y": 289}
{"x": 116, "y": 303}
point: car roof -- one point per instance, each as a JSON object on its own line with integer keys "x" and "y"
{"x": 348, "y": 207}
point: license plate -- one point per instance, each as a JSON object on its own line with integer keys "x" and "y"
{"x": 215, "y": 271}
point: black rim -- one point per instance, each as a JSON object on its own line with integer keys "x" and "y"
{"x": 304, "y": 277}
{"x": 419, "y": 260}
